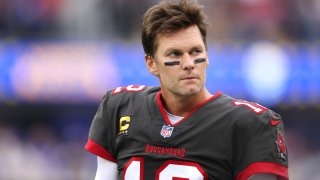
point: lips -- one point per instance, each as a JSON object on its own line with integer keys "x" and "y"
{"x": 187, "y": 78}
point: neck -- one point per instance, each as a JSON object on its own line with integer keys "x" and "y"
{"x": 183, "y": 105}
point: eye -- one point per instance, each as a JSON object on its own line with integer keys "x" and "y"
{"x": 195, "y": 52}
{"x": 174, "y": 54}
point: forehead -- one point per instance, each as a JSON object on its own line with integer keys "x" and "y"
{"x": 183, "y": 39}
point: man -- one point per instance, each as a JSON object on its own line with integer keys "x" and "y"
{"x": 180, "y": 130}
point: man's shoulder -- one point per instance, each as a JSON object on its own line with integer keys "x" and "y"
{"x": 248, "y": 112}
{"x": 130, "y": 92}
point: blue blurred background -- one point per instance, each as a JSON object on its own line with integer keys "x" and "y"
{"x": 58, "y": 58}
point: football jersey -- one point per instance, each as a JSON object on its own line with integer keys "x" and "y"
{"x": 222, "y": 138}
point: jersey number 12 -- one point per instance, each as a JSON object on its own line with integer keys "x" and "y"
{"x": 171, "y": 169}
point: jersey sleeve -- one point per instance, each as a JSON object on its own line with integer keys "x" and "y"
{"x": 101, "y": 141}
{"x": 261, "y": 146}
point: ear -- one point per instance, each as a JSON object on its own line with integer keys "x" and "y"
{"x": 207, "y": 61}
{"x": 151, "y": 65}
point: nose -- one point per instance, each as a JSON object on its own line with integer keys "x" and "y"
{"x": 187, "y": 63}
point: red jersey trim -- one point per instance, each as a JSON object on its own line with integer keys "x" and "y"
{"x": 98, "y": 150}
{"x": 165, "y": 116}
{"x": 264, "y": 167}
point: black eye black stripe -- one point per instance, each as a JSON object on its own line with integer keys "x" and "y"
{"x": 200, "y": 60}
{"x": 172, "y": 63}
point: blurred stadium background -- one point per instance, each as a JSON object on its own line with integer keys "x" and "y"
{"x": 58, "y": 58}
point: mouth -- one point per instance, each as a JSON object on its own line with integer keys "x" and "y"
{"x": 188, "y": 78}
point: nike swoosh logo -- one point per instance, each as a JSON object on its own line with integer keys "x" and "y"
{"x": 275, "y": 122}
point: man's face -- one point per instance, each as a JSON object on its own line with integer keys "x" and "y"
{"x": 180, "y": 62}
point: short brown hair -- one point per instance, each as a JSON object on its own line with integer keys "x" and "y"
{"x": 169, "y": 17}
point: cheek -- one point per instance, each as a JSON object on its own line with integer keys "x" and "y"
{"x": 166, "y": 75}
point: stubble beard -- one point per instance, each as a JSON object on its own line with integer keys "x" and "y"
{"x": 185, "y": 92}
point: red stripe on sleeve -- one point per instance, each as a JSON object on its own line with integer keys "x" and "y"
{"x": 264, "y": 167}
{"x": 98, "y": 150}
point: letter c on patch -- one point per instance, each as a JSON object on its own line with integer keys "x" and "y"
{"x": 124, "y": 123}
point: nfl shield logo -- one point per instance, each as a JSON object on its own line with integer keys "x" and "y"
{"x": 166, "y": 131}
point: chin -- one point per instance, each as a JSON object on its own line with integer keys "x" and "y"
{"x": 190, "y": 92}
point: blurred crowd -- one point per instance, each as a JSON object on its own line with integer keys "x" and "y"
{"x": 39, "y": 154}
{"x": 40, "y": 142}
{"x": 230, "y": 20}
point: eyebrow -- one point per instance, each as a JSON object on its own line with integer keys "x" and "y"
{"x": 197, "y": 47}
{"x": 178, "y": 50}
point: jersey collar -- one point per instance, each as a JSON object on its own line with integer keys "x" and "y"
{"x": 165, "y": 116}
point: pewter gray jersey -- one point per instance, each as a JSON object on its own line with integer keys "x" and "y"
{"x": 222, "y": 138}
